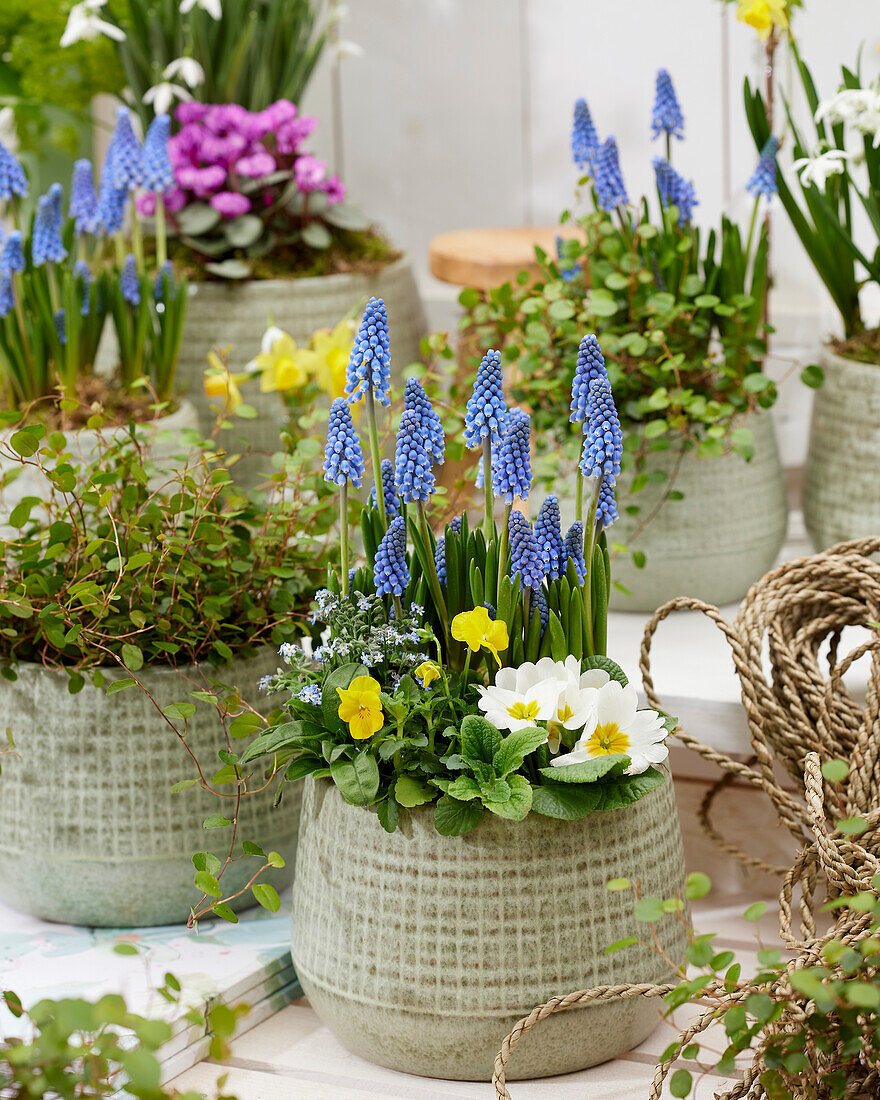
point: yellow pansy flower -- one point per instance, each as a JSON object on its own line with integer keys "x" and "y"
{"x": 763, "y": 15}
{"x": 361, "y": 708}
{"x": 280, "y": 362}
{"x": 219, "y": 382}
{"x": 477, "y": 631}
{"x": 428, "y": 672}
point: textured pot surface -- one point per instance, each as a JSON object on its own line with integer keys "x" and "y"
{"x": 841, "y": 484}
{"x": 90, "y": 832}
{"x": 161, "y": 437}
{"x": 714, "y": 543}
{"x": 420, "y": 952}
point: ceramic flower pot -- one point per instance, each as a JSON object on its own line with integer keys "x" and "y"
{"x": 90, "y": 832}
{"x": 717, "y": 540}
{"x": 161, "y": 437}
{"x": 841, "y": 487}
{"x": 420, "y": 952}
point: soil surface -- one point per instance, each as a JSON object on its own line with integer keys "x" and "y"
{"x": 97, "y": 396}
{"x": 863, "y": 347}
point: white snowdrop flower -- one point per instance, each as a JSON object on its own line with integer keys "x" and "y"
{"x": 187, "y": 68}
{"x": 85, "y": 24}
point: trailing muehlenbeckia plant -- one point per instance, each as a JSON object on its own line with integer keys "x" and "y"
{"x": 59, "y": 278}
{"x": 465, "y": 671}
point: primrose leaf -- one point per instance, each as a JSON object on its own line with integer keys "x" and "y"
{"x": 480, "y": 740}
{"x": 601, "y": 767}
{"x": 515, "y": 747}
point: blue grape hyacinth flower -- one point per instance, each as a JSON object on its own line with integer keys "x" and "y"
{"x": 606, "y": 509}
{"x": 128, "y": 163}
{"x": 608, "y": 178}
{"x": 440, "y": 549}
{"x": 486, "y": 413}
{"x": 548, "y": 536}
{"x": 389, "y": 490}
{"x": 343, "y": 457}
{"x": 369, "y": 364}
{"x": 763, "y": 179}
{"x": 83, "y": 200}
{"x": 12, "y": 256}
{"x": 603, "y": 442}
{"x": 60, "y": 325}
{"x": 13, "y": 181}
{"x": 666, "y": 117}
{"x": 46, "y": 244}
{"x": 539, "y": 604}
{"x": 157, "y": 172}
{"x": 82, "y": 271}
{"x": 413, "y": 471}
{"x": 524, "y": 556}
{"x": 129, "y": 282}
{"x": 675, "y": 190}
{"x": 584, "y": 139}
{"x": 164, "y": 276}
{"x": 512, "y": 475}
{"x": 415, "y": 399}
{"x": 590, "y": 364}
{"x": 110, "y": 211}
{"x": 390, "y": 571}
{"x": 7, "y": 299}
{"x": 569, "y": 272}
{"x": 573, "y": 551}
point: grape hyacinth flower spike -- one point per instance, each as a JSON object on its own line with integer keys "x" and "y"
{"x": 83, "y": 201}
{"x": 675, "y": 190}
{"x": 413, "y": 474}
{"x": 573, "y": 551}
{"x": 343, "y": 463}
{"x": 485, "y": 420}
{"x": 13, "y": 181}
{"x": 390, "y": 571}
{"x": 608, "y": 178}
{"x": 368, "y": 376}
{"x": 129, "y": 283}
{"x": 157, "y": 175}
{"x": 440, "y": 549}
{"x": 415, "y": 398}
{"x": 603, "y": 442}
{"x": 584, "y": 139}
{"x": 7, "y": 299}
{"x": 389, "y": 490}
{"x": 590, "y": 365}
{"x": 128, "y": 169}
{"x": 12, "y": 256}
{"x": 46, "y": 245}
{"x": 513, "y": 473}
{"x": 110, "y": 211}
{"x": 548, "y": 537}
{"x": 524, "y": 558}
{"x": 666, "y": 116}
{"x": 763, "y": 179}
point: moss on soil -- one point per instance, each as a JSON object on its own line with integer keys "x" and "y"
{"x": 864, "y": 347}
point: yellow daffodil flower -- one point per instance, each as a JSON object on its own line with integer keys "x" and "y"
{"x": 477, "y": 631}
{"x": 328, "y": 357}
{"x": 428, "y": 672}
{"x": 763, "y": 15}
{"x": 219, "y": 382}
{"x": 280, "y": 362}
{"x": 361, "y": 708}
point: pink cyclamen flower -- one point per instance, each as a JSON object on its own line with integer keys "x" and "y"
{"x": 174, "y": 200}
{"x": 202, "y": 181}
{"x": 190, "y": 111}
{"x": 223, "y": 118}
{"x": 146, "y": 204}
{"x": 282, "y": 110}
{"x": 291, "y": 134}
{"x": 230, "y": 204}
{"x": 334, "y": 189}
{"x": 309, "y": 173}
{"x": 222, "y": 150}
{"x": 255, "y": 165}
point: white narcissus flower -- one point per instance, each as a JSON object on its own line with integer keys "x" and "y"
{"x": 187, "y": 68}
{"x": 817, "y": 169}
{"x": 617, "y": 726}
{"x": 84, "y": 24}
{"x": 212, "y": 7}
{"x": 162, "y": 95}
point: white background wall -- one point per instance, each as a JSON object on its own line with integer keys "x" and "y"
{"x": 459, "y": 112}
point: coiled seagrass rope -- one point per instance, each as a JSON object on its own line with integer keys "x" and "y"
{"x": 799, "y": 716}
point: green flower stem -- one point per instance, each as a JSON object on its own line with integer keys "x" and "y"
{"x": 589, "y": 545}
{"x": 433, "y": 579}
{"x": 376, "y": 457}
{"x": 752, "y": 224}
{"x": 398, "y": 607}
{"x": 669, "y": 147}
{"x": 526, "y": 601}
{"x": 18, "y": 283}
{"x": 487, "y": 487}
{"x": 119, "y": 245}
{"x": 502, "y": 550}
{"x": 161, "y": 236}
{"x": 52, "y": 279}
{"x": 137, "y": 238}
{"x": 579, "y": 496}
{"x": 343, "y": 534}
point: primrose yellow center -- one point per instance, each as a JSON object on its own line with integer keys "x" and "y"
{"x": 524, "y": 711}
{"x": 564, "y": 713}
{"x": 608, "y": 740}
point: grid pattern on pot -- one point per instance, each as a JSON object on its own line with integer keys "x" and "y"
{"x": 489, "y": 923}
{"x": 92, "y": 774}
{"x": 841, "y": 496}
{"x": 715, "y": 542}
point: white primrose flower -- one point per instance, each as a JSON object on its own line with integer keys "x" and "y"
{"x": 84, "y": 24}
{"x": 618, "y": 726}
{"x": 187, "y": 68}
{"x": 212, "y": 7}
{"x": 554, "y": 692}
{"x": 162, "y": 95}
{"x": 817, "y": 169}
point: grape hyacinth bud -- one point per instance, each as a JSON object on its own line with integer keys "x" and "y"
{"x": 128, "y": 168}
{"x": 590, "y": 365}
{"x": 539, "y": 604}
{"x": 390, "y": 572}
{"x": 675, "y": 190}
{"x": 584, "y": 139}
{"x": 369, "y": 364}
{"x": 763, "y": 179}
{"x": 157, "y": 173}
{"x": 60, "y": 325}
{"x": 573, "y": 550}
{"x": 81, "y": 270}
{"x": 440, "y": 549}
{"x": 83, "y": 201}
{"x": 343, "y": 457}
{"x": 569, "y": 272}
{"x": 7, "y": 299}
{"x": 413, "y": 472}
{"x": 603, "y": 442}
{"x": 606, "y": 509}
{"x": 524, "y": 556}
{"x": 13, "y": 181}
{"x": 486, "y": 412}
{"x": 610, "y": 188}
{"x": 513, "y": 475}
{"x": 389, "y": 492}
{"x": 12, "y": 256}
{"x": 163, "y": 275}
{"x": 548, "y": 537}
{"x": 666, "y": 116}
{"x": 415, "y": 398}
{"x": 129, "y": 283}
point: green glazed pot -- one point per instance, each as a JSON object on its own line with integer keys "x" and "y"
{"x": 714, "y": 543}
{"x": 841, "y": 484}
{"x": 420, "y": 952}
{"x": 90, "y": 832}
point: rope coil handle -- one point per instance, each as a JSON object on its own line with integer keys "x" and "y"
{"x": 798, "y": 718}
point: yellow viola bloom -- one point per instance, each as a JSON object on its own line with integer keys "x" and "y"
{"x": 477, "y": 631}
{"x": 428, "y": 672}
{"x": 361, "y": 708}
{"x": 280, "y": 362}
{"x": 219, "y": 382}
{"x": 763, "y": 15}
